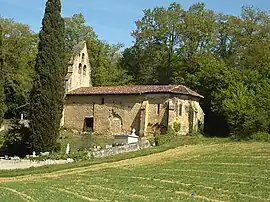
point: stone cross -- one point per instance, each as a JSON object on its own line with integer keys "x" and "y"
{"x": 34, "y": 154}
{"x": 133, "y": 132}
{"x": 68, "y": 149}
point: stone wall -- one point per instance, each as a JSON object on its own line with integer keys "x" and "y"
{"x": 186, "y": 113}
{"x": 23, "y": 163}
{"x": 74, "y": 115}
{"x": 106, "y": 115}
{"x": 119, "y": 114}
{"x": 121, "y": 149}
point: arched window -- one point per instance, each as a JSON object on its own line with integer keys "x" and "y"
{"x": 83, "y": 55}
{"x": 84, "y": 70}
{"x": 80, "y": 69}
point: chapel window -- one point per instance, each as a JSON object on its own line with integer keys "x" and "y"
{"x": 83, "y": 56}
{"x": 80, "y": 69}
{"x": 84, "y": 70}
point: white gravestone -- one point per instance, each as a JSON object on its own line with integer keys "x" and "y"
{"x": 127, "y": 139}
{"x": 68, "y": 149}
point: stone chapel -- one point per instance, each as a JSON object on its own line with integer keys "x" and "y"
{"x": 114, "y": 110}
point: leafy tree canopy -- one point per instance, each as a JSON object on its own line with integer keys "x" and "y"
{"x": 223, "y": 57}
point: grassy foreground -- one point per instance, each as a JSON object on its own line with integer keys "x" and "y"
{"x": 231, "y": 171}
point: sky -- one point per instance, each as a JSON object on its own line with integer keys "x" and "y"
{"x": 112, "y": 20}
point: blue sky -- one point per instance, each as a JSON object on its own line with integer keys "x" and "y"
{"x": 113, "y": 20}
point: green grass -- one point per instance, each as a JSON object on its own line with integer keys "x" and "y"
{"x": 208, "y": 170}
{"x": 81, "y": 141}
{"x": 179, "y": 141}
{"x": 76, "y": 141}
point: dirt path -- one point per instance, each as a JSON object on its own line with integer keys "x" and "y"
{"x": 183, "y": 152}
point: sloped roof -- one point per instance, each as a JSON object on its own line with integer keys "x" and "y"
{"x": 136, "y": 89}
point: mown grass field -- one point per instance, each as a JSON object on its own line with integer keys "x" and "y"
{"x": 204, "y": 172}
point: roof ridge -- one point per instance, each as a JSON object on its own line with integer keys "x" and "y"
{"x": 175, "y": 86}
{"x": 134, "y": 89}
{"x": 187, "y": 89}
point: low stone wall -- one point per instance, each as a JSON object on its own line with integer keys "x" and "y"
{"x": 22, "y": 163}
{"x": 121, "y": 149}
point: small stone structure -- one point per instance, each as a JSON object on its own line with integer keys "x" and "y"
{"x": 121, "y": 149}
{"x": 126, "y": 139}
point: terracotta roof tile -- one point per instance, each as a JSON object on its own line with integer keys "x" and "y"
{"x": 138, "y": 89}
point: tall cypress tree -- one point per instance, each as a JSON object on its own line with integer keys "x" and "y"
{"x": 2, "y": 76}
{"x": 46, "y": 100}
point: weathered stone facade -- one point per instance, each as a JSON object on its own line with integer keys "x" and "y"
{"x": 117, "y": 110}
{"x": 118, "y": 114}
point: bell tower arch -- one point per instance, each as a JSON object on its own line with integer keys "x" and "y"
{"x": 79, "y": 69}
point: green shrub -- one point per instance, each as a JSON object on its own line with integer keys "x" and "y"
{"x": 76, "y": 156}
{"x": 176, "y": 127}
{"x": 195, "y": 134}
{"x": 58, "y": 147}
{"x": 2, "y": 138}
{"x": 87, "y": 142}
{"x": 161, "y": 139}
{"x": 201, "y": 128}
{"x": 151, "y": 140}
{"x": 261, "y": 136}
{"x": 16, "y": 140}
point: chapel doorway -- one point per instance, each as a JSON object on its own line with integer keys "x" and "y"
{"x": 88, "y": 124}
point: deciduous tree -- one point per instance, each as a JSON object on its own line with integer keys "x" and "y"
{"x": 223, "y": 57}
{"x": 19, "y": 50}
